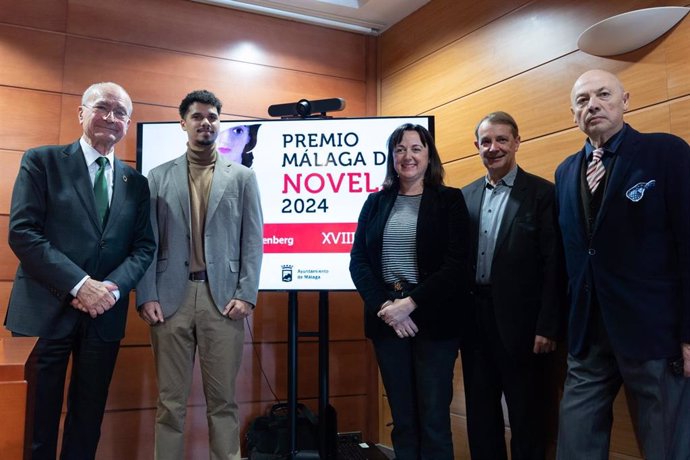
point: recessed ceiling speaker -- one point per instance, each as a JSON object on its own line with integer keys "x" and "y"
{"x": 305, "y": 108}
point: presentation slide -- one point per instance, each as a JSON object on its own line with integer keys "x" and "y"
{"x": 314, "y": 176}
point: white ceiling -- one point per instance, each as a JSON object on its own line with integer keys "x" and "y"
{"x": 377, "y": 15}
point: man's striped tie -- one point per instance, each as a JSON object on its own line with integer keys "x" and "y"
{"x": 595, "y": 170}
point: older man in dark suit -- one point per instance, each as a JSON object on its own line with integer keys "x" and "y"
{"x": 624, "y": 212}
{"x": 79, "y": 225}
{"x": 518, "y": 297}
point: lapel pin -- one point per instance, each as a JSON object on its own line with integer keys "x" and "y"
{"x": 124, "y": 178}
{"x": 636, "y": 192}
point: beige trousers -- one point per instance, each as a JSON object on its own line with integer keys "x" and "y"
{"x": 197, "y": 324}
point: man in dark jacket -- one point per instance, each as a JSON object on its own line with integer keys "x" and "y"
{"x": 518, "y": 297}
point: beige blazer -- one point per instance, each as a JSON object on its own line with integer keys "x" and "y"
{"x": 233, "y": 238}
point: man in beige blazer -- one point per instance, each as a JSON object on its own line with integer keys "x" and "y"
{"x": 203, "y": 282}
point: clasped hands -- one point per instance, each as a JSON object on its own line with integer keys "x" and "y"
{"x": 396, "y": 314}
{"x": 95, "y": 297}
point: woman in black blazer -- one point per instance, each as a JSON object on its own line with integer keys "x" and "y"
{"x": 410, "y": 262}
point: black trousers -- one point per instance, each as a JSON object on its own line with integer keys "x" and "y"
{"x": 490, "y": 372}
{"x": 418, "y": 376}
{"x": 93, "y": 362}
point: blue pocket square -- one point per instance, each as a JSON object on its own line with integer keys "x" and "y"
{"x": 636, "y": 192}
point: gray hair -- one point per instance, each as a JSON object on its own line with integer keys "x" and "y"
{"x": 98, "y": 88}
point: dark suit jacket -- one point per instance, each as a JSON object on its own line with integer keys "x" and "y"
{"x": 526, "y": 272}
{"x": 56, "y": 234}
{"x": 638, "y": 259}
{"x": 442, "y": 262}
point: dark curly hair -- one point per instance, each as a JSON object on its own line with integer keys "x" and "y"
{"x": 200, "y": 95}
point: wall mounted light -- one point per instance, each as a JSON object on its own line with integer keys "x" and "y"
{"x": 333, "y": 23}
{"x": 629, "y": 31}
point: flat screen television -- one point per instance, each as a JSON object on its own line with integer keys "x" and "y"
{"x": 314, "y": 176}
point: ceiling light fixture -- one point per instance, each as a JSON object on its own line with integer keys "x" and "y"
{"x": 301, "y": 17}
{"x": 629, "y": 31}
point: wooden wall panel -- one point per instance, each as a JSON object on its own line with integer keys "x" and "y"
{"x": 133, "y": 443}
{"x": 41, "y": 51}
{"x": 434, "y": 26}
{"x": 458, "y": 404}
{"x": 346, "y": 315}
{"x": 9, "y": 159}
{"x": 8, "y": 261}
{"x": 678, "y": 68}
{"x": 679, "y": 111}
{"x": 623, "y": 439}
{"x": 137, "y": 331}
{"x": 134, "y": 380}
{"x": 494, "y": 53}
{"x": 42, "y": 14}
{"x": 549, "y": 112}
{"x": 269, "y": 320}
{"x": 5, "y": 289}
{"x": 386, "y": 422}
{"x": 17, "y": 132}
{"x": 223, "y": 33}
{"x": 461, "y": 446}
{"x": 351, "y": 413}
{"x": 372, "y": 85}
{"x": 12, "y": 419}
{"x": 71, "y": 130}
{"x": 164, "y": 77}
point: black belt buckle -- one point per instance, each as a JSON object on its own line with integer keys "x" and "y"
{"x": 401, "y": 289}
{"x": 198, "y": 276}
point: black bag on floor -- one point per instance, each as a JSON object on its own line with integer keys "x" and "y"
{"x": 268, "y": 435}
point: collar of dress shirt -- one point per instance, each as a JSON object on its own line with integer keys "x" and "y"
{"x": 90, "y": 154}
{"x": 507, "y": 180}
{"x": 610, "y": 147}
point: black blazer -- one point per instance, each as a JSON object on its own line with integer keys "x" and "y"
{"x": 442, "y": 262}
{"x": 527, "y": 274}
{"x": 57, "y": 236}
{"x": 637, "y": 260}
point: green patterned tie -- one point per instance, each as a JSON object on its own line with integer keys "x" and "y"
{"x": 100, "y": 189}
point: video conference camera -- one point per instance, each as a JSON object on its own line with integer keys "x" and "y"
{"x": 307, "y": 109}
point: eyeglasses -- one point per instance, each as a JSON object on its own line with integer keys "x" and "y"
{"x": 103, "y": 111}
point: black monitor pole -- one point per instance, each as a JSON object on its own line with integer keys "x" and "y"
{"x": 327, "y": 416}
{"x": 292, "y": 371}
{"x": 328, "y": 431}
{"x": 328, "y": 427}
